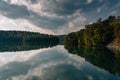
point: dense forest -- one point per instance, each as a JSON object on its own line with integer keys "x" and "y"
{"x": 97, "y": 34}
{"x": 24, "y": 38}
{"x": 90, "y": 43}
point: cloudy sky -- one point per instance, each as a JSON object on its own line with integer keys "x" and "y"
{"x": 54, "y": 16}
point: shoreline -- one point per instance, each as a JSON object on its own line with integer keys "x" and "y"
{"x": 114, "y": 46}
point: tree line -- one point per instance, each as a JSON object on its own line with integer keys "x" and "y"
{"x": 23, "y": 37}
{"x": 99, "y": 33}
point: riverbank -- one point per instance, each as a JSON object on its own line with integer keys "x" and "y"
{"x": 114, "y": 46}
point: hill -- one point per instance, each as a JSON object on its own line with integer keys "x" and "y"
{"x": 97, "y": 34}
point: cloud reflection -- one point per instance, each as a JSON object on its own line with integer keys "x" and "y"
{"x": 20, "y": 56}
{"x": 54, "y": 64}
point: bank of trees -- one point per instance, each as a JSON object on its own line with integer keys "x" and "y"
{"x": 23, "y": 37}
{"x": 97, "y": 34}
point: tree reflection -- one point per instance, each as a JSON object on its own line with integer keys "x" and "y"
{"x": 101, "y": 57}
{"x": 5, "y": 47}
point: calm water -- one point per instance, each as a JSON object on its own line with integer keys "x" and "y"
{"x": 54, "y": 63}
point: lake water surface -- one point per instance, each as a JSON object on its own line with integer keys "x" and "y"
{"x": 54, "y": 63}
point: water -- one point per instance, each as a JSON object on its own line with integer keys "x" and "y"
{"x": 52, "y": 63}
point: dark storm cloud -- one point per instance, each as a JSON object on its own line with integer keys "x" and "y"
{"x": 13, "y": 11}
{"x": 33, "y": 1}
{"x": 46, "y": 22}
{"x": 71, "y": 6}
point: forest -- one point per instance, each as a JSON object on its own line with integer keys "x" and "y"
{"x": 24, "y": 38}
{"x": 97, "y": 34}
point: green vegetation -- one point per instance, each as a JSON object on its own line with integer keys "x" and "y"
{"x": 90, "y": 43}
{"x": 97, "y": 34}
{"x": 24, "y": 38}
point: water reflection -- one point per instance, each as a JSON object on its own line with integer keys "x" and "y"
{"x": 52, "y": 64}
{"x": 101, "y": 57}
{"x": 8, "y": 47}
{"x": 6, "y": 57}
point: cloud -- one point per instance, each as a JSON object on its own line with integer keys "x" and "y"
{"x": 33, "y": 1}
{"x": 55, "y": 64}
{"x": 114, "y": 12}
{"x": 20, "y": 24}
{"x": 99, "y": 10}
{"x": 13, "y": 11}
{"x": 56, "y": 15}
{"x": 89, "y": 1}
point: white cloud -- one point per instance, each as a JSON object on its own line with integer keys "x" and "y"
{"x": 113, "y": 12}
{"x": 71, "y": 25}
{"x": 30, "y": 27}
{"x": 98, "y": 10}
{"x": 20, "y": 24}
{"x": 8, "y": 24}
{"x": 89, "y": 1}
{"x": 33, "y": 7}
{"x": 38, "y": 7}
{"x": 76, "y": 23}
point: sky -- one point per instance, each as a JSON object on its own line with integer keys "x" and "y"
{"x": 54, "y": 16}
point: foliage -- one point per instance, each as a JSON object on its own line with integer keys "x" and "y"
{"x": 71, "y": 39}
{"x": 22, "y": 37}
{"x": 96, "y": 34}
